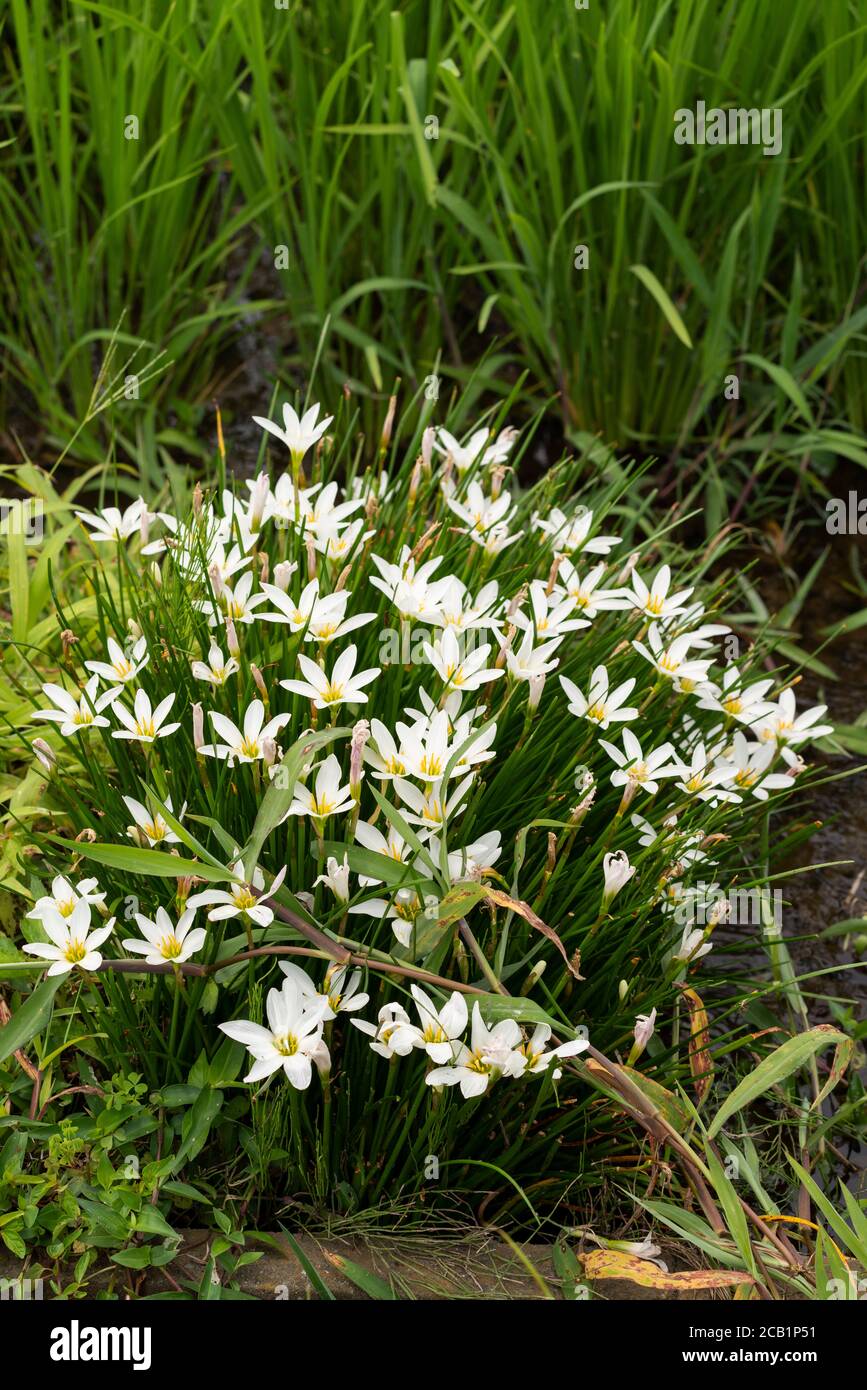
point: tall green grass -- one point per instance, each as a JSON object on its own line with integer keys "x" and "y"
{"x": 307, "y": 129}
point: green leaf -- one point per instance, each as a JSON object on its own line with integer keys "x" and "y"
{"x": 364, "y": 1279}
{"x": 197, "y": 1125}
{"x": 31, "y": 1018}
{"x": 773, "y": 1069}
{"x": 652, "y": 285}
{"x": 151, "y": 862}
{"x": 785, "y": 381}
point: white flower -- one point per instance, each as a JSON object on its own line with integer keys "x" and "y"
{"x": 340, "y": 992}
{"x": 75, "y": 715}
{"x": 617, "y": 871}
{"x": 328, "y": 799}
{"x": 601, "y": 706}
{"x": 297, "y": 434}
{"x": 529, "y": 661}
{"x": 645, "y": 1025}
{"x": 144, "y": 725}
{"x": 72, "y": 941}
{"x": 293, "y": 1039}
{"x": 393, "y": 1035}
{"x": 706, "y": 779}
{"x": 462, "y": 455}
{"x": 243, "y": 899}
{"x": 550, "y": 613}
{"x": 482, "y": 513}
{"x": 238, "y": 603}
{"x": 467, "y": 673}
{"x": 569, "y": 533}
{"x": 692, "y": 946}
{"x": 746, "y": 703}
{"x": 110, "y": 524}
{"x": 65, "y": 897}
{"x": 119, "y": 666}
{"x": 392, "y": 846}
{"x": 538, "y": 1060}
{"x": 494, "y": 1052}
{"x": 402, "y": 912}
{"x": 633, "y": 767}
{"x": 343, "y": 686}
{"x": 428, "y": 809}
{"x": 584, "y": 593}
{"x": 217, "y": 670}
{"x": 780, "y": 725}
{"x": 323, "y": 519}
{"x": 656, "y": 600}
{"x": 751, "y": 763}
{"x": 336, "y": 878}
{"x": 247, "y": 746}
{"x": 154, "y": 827}
{"x": 439, "y": 1027}
{"x": 164, "y": 941}
{"x": 672, "y": 660}
{"x": 413, "y": 591}
{"x": 471, "y": 862}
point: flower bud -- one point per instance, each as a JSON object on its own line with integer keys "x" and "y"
{"x": 232, "y": 639}
{"x": 198, "y": 727}
{"x": 260, "y": 683}
{"x": 645, "y": 1025}
{"x": 427, "y": 443}
{"x": 618, "y": 871}
{"x": 45, "y": 753}
{"x": 360, "y": 735}
{"x": 282, "y": 575}
{"x": 536, "y": 684}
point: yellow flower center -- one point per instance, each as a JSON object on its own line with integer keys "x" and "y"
{"x": 155, "y": 830}
{"x": 287, "y": 1046}
{"x": 733, "y": 705}
{"x": 170, "y": 948}
{"x": 321, "y": 806}
{"x": 745, "y": 778}
{"x": 395, "y": 767}
{"x": 667, "y": 664}
{"x": 82, "y": 716}
{"x": 654, "y": 605}
{"x": 431, "y": 765}
{"x": 408, "y": 911}
{"x": 249, "y": 748}
{"x": 696, "y": 782}
{"x": 596, "y": 711}
{"x": 433, "y": 1033}
{"x": 75, "y": 951}
{"x": 122, "y": 669}
{"x": 146, "y": 728}
{"x": 332, "y": 693}
{"x": 244, "y": 899}
{"x": 67, "y": 907}
{"x": 477, "y": 1064}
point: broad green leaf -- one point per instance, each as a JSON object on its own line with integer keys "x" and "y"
{"x": 278, "y": 798}
{"x": 151, "y": 862}
{"x": 785, "y": 381}
{"x": 785, "y": 1060}
{"x": 31, "y": 1018}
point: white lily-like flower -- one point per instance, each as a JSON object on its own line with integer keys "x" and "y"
{"x": 693, "y": 945}
{"x": 479, "y": 512}
{"x": 782, "y": 726}
{"x": 673, "y": 660}
{"x": 144, "y": 724}
{"x": 293, "y": 1039}
{"x": 633, "y": 767}
{"x": 707, "y": 779}
{"x": 463, "y": 456}
{"x": 394, "y": 1035}
{"x": 329, "y": 797}
{"x": 119, "y": 666}
{"x": 298, "y": 435}
{"x": 391, "y": 845}
{"x": 336, "y": 878}
{"x": 217, "y": 670}
{"x": 412, "y": 589}
{"x": 109, "y": 524}
{"x": 585, "y": 594}
{"x": 162, "y": 941}
{"x": 245, "y": 745}
{"x": 65, "y": 897}
{"x": 617, "y": 871}
{"x": 600, "y": 706}
{"x": 345, "y": 685}
{"x": 529, "y": 661}
{"x": 457, "y": 672}
{"x": 339, "y": 992}
{"x": 745, "y": 702}
{"x": 238, "y": 603}
{"x": 75, "y": 715}
{"x": 569, "y": 533}
{"x": 494, "y": 1052}
{"x": 72, "y": 943}
{"x": 152, "y": 825}
{"x": 550, "y": 615}
{"x": 750, "y": 764}
{"x": 656, "y": 601}
{"x": 243, "y": 898}
{"x": 428, "y": 809}
{"x": 440, "y": 1028}
{"x": 538, "y": 1060}
{"x": 403, "y": 911}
